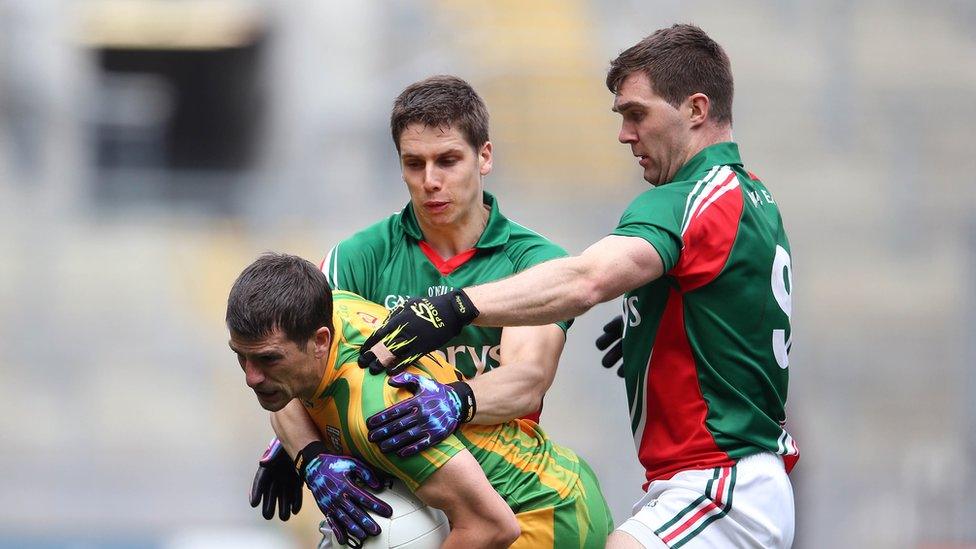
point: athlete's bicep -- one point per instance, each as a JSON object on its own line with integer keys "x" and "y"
{"x": 617, "y": 264}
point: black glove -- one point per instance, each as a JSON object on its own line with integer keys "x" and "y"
{"x": 613, "y": 334}
{"x": 277, "y": 483}
{"x": 417, "y": 327}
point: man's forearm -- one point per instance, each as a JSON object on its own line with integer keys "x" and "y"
{"x": 294, "y": 427}
{"x": 505, "y": 393}
{"x": 568, "y": 287}
{"x": 529, "y": 356}
{"x": 478, "y": 514}
{"x": 549, "y": 292}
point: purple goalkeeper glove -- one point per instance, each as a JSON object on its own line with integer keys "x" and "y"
{"x": 276, "y": 483}
{"x": 332, "y": 481}
{"x": 421, "y": 421}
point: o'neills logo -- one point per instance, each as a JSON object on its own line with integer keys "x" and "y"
{"x": 425, "y": 311}
{"x": 460, "y": 304}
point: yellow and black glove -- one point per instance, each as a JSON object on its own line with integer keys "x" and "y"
{"x": 417, "y": 327}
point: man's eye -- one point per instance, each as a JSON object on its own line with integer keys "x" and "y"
{"x": 448, "y": 161}
{"x": 414, "y": 165}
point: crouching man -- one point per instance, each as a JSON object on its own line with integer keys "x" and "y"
{"x": 499, "y": 485}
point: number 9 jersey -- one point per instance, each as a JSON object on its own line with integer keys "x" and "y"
{"x": 706, "y": 345}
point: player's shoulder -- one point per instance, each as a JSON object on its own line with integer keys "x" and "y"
{"x": 354, "y": 308}
{"x": 523, "y": 241}
{"x": 381, "y": 235}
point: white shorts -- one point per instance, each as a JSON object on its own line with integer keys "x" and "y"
{"x": 747, "y": 505}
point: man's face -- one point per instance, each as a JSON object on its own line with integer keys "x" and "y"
{"x": 658, "y": 133}
{"x": 443, "y": 173}
{"x": 276, "y": 368}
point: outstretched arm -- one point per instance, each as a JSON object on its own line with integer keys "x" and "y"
{"x": 479, "y": 516}
{"x": 547, "y": 293}
{"x": 567, "y": 287}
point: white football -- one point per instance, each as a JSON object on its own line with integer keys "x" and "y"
{"x": 413, "y": 525}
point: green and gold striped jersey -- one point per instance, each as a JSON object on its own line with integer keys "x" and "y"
{"x": 519, "y": 460}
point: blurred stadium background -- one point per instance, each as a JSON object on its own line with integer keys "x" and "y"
{"x": 150, "y": 149}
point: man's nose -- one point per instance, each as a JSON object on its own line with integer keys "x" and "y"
{"x": 432, "y": 178}
{"x": 252, "y": 376}
{"x": 626, "y": 135}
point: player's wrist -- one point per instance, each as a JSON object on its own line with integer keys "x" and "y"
{"x": 307, "y": 455}
{"x": 464, "y": 307}
{"x": 468, "y": 404}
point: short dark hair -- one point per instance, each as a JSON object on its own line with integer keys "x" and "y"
{"x": 441, "y": 101}
{"x": 679, "y": 61}
{"x": 283, "y": 292}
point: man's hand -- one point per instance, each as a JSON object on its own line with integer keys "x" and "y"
{"x": 276, "y": 483}
{"x": 417, "y": 327}
{"x": 613, "y": 334}
{"x": 423, "y": 420}
{"x": 332, "y": 481}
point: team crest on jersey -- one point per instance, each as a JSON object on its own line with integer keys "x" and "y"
{"x": 368, "y": 318}
{"x": 335, "y": 440}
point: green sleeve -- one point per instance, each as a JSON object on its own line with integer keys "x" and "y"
{"x": 353, "y": 264}
{"x": 656, "y": 216}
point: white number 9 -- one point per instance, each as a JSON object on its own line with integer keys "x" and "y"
{"x": 782, "y": 282}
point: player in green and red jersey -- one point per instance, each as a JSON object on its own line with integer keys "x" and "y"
{"x": 703, "y": 263}
{"x": 500, "y": 485}
{"x": 439, "y": 126}
{"x": 391, "y": 261}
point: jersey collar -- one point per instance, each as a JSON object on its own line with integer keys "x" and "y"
{"x": 719, "y": 154}
{"x": 496, "y": 232}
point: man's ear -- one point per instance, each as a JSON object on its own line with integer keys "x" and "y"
{"x": 322, "y": 340}
{"x": 485, "y": 159}
{"x": 698, "y": 106}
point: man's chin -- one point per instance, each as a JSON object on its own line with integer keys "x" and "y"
{"x": 272, "y": 402}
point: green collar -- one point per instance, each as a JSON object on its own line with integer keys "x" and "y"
{"x": 496, "y": 231}
{"x": 719, "y": 154}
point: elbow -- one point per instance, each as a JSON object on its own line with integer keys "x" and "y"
{"x": 507, "y": 533}
{"x": 590, "y": 294}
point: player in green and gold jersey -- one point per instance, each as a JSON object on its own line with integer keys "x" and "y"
{"x": 500, "y": 485}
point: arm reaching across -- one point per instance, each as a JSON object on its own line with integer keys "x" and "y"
{"x": 528, "y": 364}
{"x": 549, "y": 292}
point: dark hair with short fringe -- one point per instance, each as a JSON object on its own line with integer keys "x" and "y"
{"x": 680, "y": 61}
{"x": 279, "y": 292}
{"x": 441, "y": 101}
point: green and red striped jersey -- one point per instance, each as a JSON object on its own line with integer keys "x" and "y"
{"x": 706, "y": 345}
{"x": 389, "y": 262}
